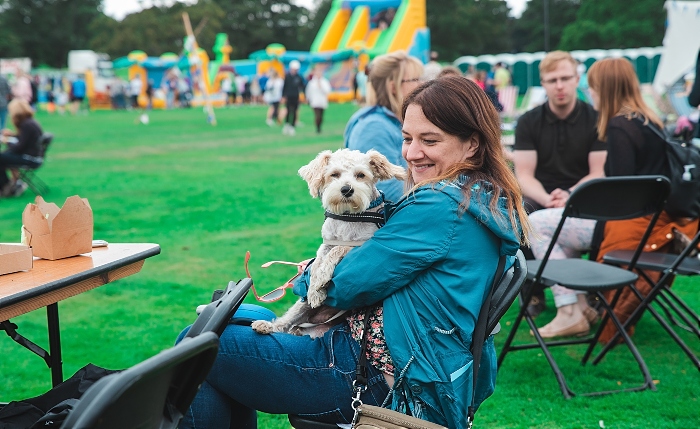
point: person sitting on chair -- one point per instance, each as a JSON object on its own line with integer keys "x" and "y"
{"x": 23, "y": 146}
{"x": 633, "y": 149}
{"x": 428, "y": 270}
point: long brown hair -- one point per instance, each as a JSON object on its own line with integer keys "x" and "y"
{"x": 617, "y": 86}
{"x": 460, "y": 108}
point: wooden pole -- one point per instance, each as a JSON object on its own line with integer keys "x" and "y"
{"x": 209, "y": 109}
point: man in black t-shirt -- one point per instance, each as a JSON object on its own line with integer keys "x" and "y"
{"x": 556, "y": 145}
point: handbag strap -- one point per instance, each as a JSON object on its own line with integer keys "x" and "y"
{"x": 479, "y": 337}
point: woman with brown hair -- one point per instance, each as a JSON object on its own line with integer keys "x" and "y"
{"x": 378, "y": 126}
{"x": 421, "y": 280}
{"x": 624, "y": 123}
{"x": 23, "y": 146}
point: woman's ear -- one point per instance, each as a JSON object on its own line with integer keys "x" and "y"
{"x": 473, "y": 145}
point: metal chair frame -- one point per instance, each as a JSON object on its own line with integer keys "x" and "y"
{"x": 614, "y": 198}
{"x": 673, "y": 307}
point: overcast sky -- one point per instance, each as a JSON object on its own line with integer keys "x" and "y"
{"x": 118, "y": 9}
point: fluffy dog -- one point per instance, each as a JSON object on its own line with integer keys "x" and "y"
{"x": 345, "y": 181}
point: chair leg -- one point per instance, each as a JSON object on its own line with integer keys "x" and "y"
{"x": 683, "y": 311}
{"x": 636, "y": 314}
{"x": 33, "y": 181}
{"x": 523, "y": 314}
{"x": 648, "y": 382}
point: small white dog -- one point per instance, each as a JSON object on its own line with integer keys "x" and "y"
{"x": 345, "y": 181}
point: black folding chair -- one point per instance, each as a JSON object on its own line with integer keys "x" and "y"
{"x": 671, "y": 304}
{"x": 27, "y": 173}
{"x": 503, "y": 296}
{"x": 153, "y": 394}
{"x": 613, "y": 198}
{"x": 216, "y": 315}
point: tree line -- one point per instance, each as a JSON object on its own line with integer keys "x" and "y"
{"x": 45, "y": 30}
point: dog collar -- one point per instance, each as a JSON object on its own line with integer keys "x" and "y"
{"x": 369, "y": 217}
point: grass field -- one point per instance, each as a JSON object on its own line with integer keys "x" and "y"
{"x": 206, "y": 195}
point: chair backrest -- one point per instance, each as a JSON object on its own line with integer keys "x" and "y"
{"x": 616, "y": 198}
{"x": 153, "y": 394}
{"x": 217, "y": 314}
{"x": 506, "y": 290}
{"x": 44, "y": 142}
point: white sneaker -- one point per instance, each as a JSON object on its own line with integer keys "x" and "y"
{"x": 292, "y": 131}
{"x": 285, "y": 129}
{"x": 269, "y": 122}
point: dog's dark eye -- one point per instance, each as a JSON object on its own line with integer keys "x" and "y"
{"x": 360, "y": 175}
{"x": 335, "y": 175}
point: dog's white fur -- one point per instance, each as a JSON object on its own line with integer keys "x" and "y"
{"x": 326, "y": 176}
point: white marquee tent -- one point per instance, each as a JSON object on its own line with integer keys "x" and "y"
{"x": 681, "y": 43}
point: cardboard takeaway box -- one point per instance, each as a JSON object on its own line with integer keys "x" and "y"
{"x": 55, "y": 233}
{"x": 15, "y": 257}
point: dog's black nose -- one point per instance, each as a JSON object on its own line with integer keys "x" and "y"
{"x": 347, "y": 191}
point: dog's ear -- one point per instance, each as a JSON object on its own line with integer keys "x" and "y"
{"x": 313, "y": 172}
{"x": 382, "y": 168}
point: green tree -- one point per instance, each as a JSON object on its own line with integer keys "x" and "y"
{"x": 468, "y": 27}
{"x": 46, "y": 30}
{"x": 605, "y": 24}
{"x": 157, "y": 30}
{"x": 251, "y": 25}
{"x": 529, "y": 30}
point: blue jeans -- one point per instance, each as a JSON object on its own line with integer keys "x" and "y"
{"x": 281, "y": 374}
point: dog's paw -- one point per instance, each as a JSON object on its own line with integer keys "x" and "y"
{"x": 316, "y": 297}
{"x": 262, "y": 327}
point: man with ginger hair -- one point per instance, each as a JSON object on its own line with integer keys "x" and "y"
{"x": 556, "y": 145}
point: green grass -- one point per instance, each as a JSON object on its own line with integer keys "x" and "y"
{"x": 206, "y": 195}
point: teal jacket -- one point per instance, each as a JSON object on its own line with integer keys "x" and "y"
{"x": 431, "y": 266}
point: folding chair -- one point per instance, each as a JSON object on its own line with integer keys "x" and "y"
{"x": 153, "y": 394}
{"x": 613, "y": 198}
{"x": 28, "y": 173}
{"x": 218, "y": 313}
{"x": 661, "y": 294}
{"x": 503, "y": 296}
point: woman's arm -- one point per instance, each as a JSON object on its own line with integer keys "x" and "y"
{"x": 418, "y": 234}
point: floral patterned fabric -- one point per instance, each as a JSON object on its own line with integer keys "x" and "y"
{"x": 377, "y": 352}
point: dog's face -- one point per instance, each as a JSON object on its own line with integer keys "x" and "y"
{"x": 346, "y": 180}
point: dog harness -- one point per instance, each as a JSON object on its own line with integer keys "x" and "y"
{"x": 376, "y": 218}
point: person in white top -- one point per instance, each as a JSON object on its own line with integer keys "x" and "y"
{"x": 317, "y": 92}
{"x": 273, "y": 96}
{"x": 135, "y": 86}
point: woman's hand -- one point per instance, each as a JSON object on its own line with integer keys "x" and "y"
{"x": 303, "y": 265}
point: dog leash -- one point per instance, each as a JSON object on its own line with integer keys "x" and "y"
{"x": 311, "y": 325}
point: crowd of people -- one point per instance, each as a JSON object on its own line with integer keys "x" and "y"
{"x": 420, "y": 280}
